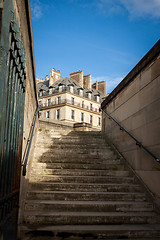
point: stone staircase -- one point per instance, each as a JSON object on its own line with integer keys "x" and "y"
{"x": 80, "y": 188}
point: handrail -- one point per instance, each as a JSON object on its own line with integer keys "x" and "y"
{"x": 29, "y": 141}
{"x": 138, "y": 143}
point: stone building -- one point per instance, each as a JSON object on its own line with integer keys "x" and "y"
{"x": 72, "y": 99}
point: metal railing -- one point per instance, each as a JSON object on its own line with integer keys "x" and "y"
{"x": 29, "y": 142}
{"x": 67, "y": 101}
{"x": 138, "y": 143}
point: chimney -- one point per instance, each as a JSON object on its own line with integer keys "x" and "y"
{"x": 95, "y": 85}
{"x": 87, "y": 81}
{"x": 78, "y": 76}
{"x": 54, "y": 76}
{"x": 46, "y": 78}
{"x": 39, "y": 80}
{"x": 102, "y": 87}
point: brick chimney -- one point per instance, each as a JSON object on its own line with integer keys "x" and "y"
{"x": 87, "y": 81}
{"x": 54, "y": 76}
{"x": 102, "y": 87}
{"x": 78, "y": 76}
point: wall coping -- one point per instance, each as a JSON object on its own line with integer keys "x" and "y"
{"x": 57, "y": 122}
{"x": 152, "y": 54}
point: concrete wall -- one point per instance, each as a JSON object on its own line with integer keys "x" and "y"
{"x": 135, "y": 104}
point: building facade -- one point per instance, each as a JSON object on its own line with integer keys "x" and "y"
{"x": 71, "y": 99}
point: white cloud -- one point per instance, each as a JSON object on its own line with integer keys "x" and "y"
{"x": 38, "y": 8}
{"x": 142, "y": 8}
{"x": 135, "y": 8}
{"x": 111, "y": 81}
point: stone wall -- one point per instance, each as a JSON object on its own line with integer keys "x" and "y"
{"x": 31, "y": 102}
{"x": 135, "y": 104}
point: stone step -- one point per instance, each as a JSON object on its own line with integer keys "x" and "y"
{"x": 77, "y": 141}
{"x": 91, "y": 166}
{"x": 81, "y": 159}
{"x": 75, "y": 147}
{"x": 81, "y": 172}
{"x": 94, "y": 187}
{"x": 65, "y": 218}
{"x": 81, "y": 179}
{"x": 73, "y": 195}
{"x": 91, "y": 232}
{"x": 80, "y": 151}
{"x": 87, "y": 206}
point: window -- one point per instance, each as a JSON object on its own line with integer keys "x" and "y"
{"x": 60, "y": 88}
{"x": 72, "y": 114}
{"x": 58, "y": 114}
{"x": 71, "y": 89}
{"x": 48, "y": 114}
{"x": 40, "y": 103}
{"x": 40, "y": 114}
{"x": 59, "y": 100}
{"x": 49, "y": 102}
{"x": 89, "y": 95}
{"x": 91, "y": 119}
{"x": 82, "y": 117}
{"x": 50, "y": 90}
{"x": 72, "y": 100}
{"x": 82, "y": 104}
{"x": 91, "y": 106}
{"x": 97, "y": 98}
{"x": 81, "y": 92}
{"x": 41, "y": 93}
{"x": 99, "y": 121}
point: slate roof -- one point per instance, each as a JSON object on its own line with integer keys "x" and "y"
{"x": 66, "y": 83}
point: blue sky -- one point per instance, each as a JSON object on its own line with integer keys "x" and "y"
{"x": 105, "y": 38}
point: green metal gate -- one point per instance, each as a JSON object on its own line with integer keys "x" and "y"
{"x": 12, "y": 95}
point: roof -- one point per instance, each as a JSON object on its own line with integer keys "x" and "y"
{"x": 66, "y": 83}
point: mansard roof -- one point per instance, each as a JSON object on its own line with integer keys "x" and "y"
{"x": 66, "y": 83}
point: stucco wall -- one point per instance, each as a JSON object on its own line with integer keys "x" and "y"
{"x": 135, "y": 104}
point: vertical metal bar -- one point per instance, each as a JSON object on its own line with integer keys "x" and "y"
{"x": 6, "y": 133}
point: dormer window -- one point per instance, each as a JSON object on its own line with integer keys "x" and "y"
{"x": 89, "y": 95}
{"x": 81, "y": 92}
{"x": 40, "y": 92}
{"x": 50, "y": 90}
{"x": 71, "y": 89}
{"x": 60, "y": 88}
{"x": 97, "y": 98}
